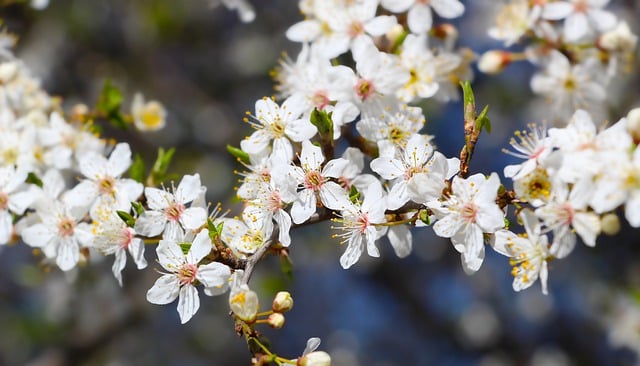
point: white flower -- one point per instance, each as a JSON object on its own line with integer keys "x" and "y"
{"x": 185, "y": 272}
{"x": 13, "y": 199}
{"x": 247, "y": 235}
{"x": 340, "y": 24}
{"x": 582, "y": 17}
{"x": 534, "y": 146}
{"x": 466, "y": 214}
{"x": 168, "y": 211}
{"x": 570, "y": 87}
{"x": 278, "y": 124}
{"x": 60, "y": 233}
{"x": 419, "y": 17}
{"x": 270, "y": 204}
{"x": 103, "y": 184}
{"x": 358, "y": 226}
{"x": 416, "y": 158}
{"x": 310, "y": 182}
{"x": 147, "y": 116}
{"x": 113, "y": 236}
{"x": 528, "y": 252}
{"x": 567, "y": 213}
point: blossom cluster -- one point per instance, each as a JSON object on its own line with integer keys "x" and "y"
{"x": 363, "y": 68}
{"x": 578, "y": 47}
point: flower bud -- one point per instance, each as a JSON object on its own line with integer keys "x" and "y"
{"x": 493, "y": 62}
{"x": 618, "y": 39}
{"x": 276, "y": 320}
{"x": 317, "y": 358}
{"x": 633, "y": 124}
{"x": 610, "y": 224}
{"x": 283, "y": 302}
{"x": 8, "y": 70}
{"x": 79, "y": 112}
{"x": 244, "y": 304}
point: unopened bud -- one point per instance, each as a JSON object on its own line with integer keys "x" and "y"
{"x": 276, "y": 320}
{"x": 317, "y": 358}
{"x": 633, "y": 124}
{"x": 79, "y": 112}
{"x": 445, "y": 31}
{"x": 493, "y": 62}
{"x": 244, "y": 304}
{"x": 283, "y": 302}
{"x": 395, "y": 33}
{"x": 618, "y": 39}
{"x": 610, "y": 224}
{"x": 8, "y": 70}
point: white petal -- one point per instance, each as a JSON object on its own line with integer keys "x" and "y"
{"x": 380, "y": 25}
{"x": 170, "y": 255}
{"x": 188, "y": 303}
{"x": 6, "y": 227}
{"x": 448, "y": 8}
{"x": 193, "y": 217}
{"x": 119, "y": 263}
{"x": 188, "y": 189}
{"x": 352, "y": 254}
{"x": 333, "y": 196}
{"x": 37, "y": 235}
{"x": 400, "y": 239}
{"x": 119, "y": 160}
{"x": 158, "y": 199}
{"x": 214, "y": 274}
{"x": 164, "y": 290}
{"x": 82, "y": 195}
{"x": 447, "y": 226}
{"x": 150, "y": 223}
{"x": 420, "y": 18}
{"x": 136, "y": 249}
{"x": 200, "y": 247}
{"x": 68, "y": 254}
{"x": 304, "y": 207}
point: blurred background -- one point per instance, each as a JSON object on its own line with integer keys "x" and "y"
{"x": 208, "y": 68}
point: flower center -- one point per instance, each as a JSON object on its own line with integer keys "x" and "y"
{"x": 566, "y": 213}
{"x": 320, "y": 99}
{"x": 313, "y": 180}
{"x": 4, "y": 201}
{"x": 127, "y": 237}
{"x": 275, "y": 202}
{"x": 66, "y": 226}
{"x": 364, "y": 89}
{"x": 469, "y": 211}
{"x": 356, "y": 29}
{"x": 187, "y": 273}
{"x": 107, "y": 185}
{"x": 277, "y": 127}
{"x": 174, "y": 211}
{"x": 363, "y": 223}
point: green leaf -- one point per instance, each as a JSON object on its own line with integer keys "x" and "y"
{"x": 126, "y": 217}
{"x": 423, "y": 215}
{"x": 214, "y": 230}
{"x": 109, "y": 104}
{"x": 354, "y": 195}
{"x": 159, "y": 170}
{"x": 137, "y": 207}
{"x": 482, "y": 121}
{"x": 322, "y": 121}
{"x": 467, "y": 95}
{"x": 239, "y": 154}
{"x": 137, "y": 169}
{"x": 185, "y": 247}
{"x": 33, "y": 179}
{"x": 286, "y": 266}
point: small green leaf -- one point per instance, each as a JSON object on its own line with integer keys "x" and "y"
{"x": 126, "y": 217}
{"x": 482, "y": 121}
{"x": 138, "y": 208}
{"x": 322, "y": 121}
{"x": 185, "y": 247}
{"x": 159, "y": 170}
{"x": 33, "y": 179}
{"x": 109, "y": 104}
{"x": 137, "y": 169}
{"x": 354, "y": 195}
{"x": 239, "y": 154}
{"x": 286, "y": 266}
{"x": 423, "y": 215}
{"x": 467, "y": 95}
